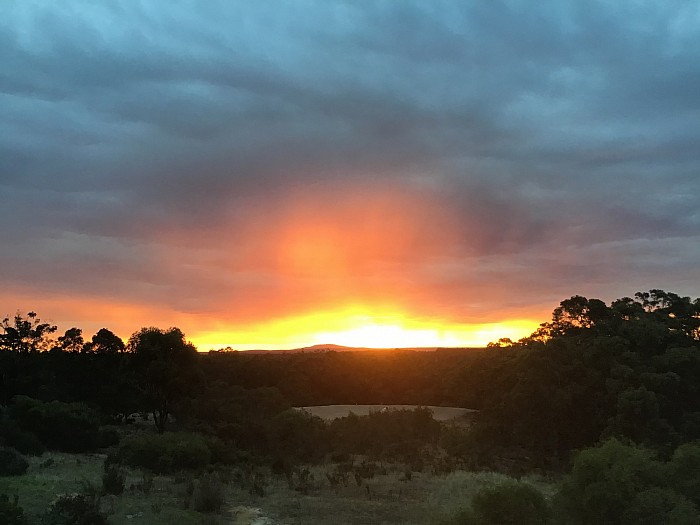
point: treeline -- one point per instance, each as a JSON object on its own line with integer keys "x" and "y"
{"x": 609, "y": 393}
{"x": 158, "y": 371}
{"x": 239, "y": 402}
{"x": 629, "y": 370}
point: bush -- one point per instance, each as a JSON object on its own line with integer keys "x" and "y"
{"x": 69, "y": 427}
{"x": 619, "y": 484}
{"x": 10, "y": 512}
{"x": 208, "y": 494}
{"x": 397, "y": 435}
{"x": 166, "y": 452}
{"x": 683, "y": 471}
{"x": 223, "y": 453}
{"x": 74, "y": 509}
{"x": 511, "y": 503}
{"x": 297, "y": 437}
{"x": 24, "y": 442}
{"x": 12, "y": 463}
{"x": 108, "y": 436}
{"x": 661, "y": 505}
{"x": 113, "y": 480}
{"x": 604, "y": 482}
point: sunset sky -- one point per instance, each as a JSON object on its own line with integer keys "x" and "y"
{"x": 374, "y": 173}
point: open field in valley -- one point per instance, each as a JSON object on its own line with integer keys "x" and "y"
{"x": 328, "y": 412}
{"x": 387, "y": 498}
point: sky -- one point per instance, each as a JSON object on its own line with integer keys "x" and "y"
{"x": 380, "y": 173}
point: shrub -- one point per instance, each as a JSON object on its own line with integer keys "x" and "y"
{"x": 208, "y": 494}
{"x": 223, "y": 453}
{"x": 511, "y": 503}
{"x": 297, "y": 437}
{"x": 661, "y": 505}
{"x": 24, "y": 442}
{"x": 108, "y": 436}
{"x": 683, "y": 471}
{"x": 74, "y": 509}
{"x": 12, "y": 463}
{"x": 10, "y": 512}
{"x": 605, "y": 481}
{"x": 166, "y": 452}
{"x": 397, "y": 435}
{"x": 301, "y": 480}
{"x": 113, "y": 480}
{"x": 69, "y": 427}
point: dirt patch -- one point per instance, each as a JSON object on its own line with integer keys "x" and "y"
{"x": 249, "y": 516}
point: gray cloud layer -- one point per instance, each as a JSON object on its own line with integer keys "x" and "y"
{"x": 142, "y": 148}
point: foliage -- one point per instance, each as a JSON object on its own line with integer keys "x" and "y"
{"x": 508, "y": 502}
{"x": 392, "y": 434}
{"x": 617, "y": 484}
{"x": 69, "y": 427}
{"x": 24, "y": 442}
{"x": 72, "y": 340}
{"x": 208, "y": 494}
{"x": 12, "y": 463}
{"x": 108, "y": 436}
{"x": 167, "y": 452}
{"x": 297, "y": 436}
{"x": 10, "y": 511}
{"x": 105, "y": 342}
{"x": 113, "y": 479}
{"x": 166, "y": 367}
{"x": 511, "y": 503}
{"x": 683, "y": 469}
{"x": 74, "y": 509}
{"x": 26, "y": 334}
{"x": 660, "y": 505}
{"x": 630, "y": 369}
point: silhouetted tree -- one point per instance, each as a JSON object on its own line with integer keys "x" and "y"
{"x": 26, "y": 334}
{"x": 72, "y": 340}
{"x": 166, "y": 368}
{"x": 105, "y": 342}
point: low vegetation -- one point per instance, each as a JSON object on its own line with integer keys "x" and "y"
{"x": 12, "y": 463}
{"x": 593, "y": 419}
{"x": 10, "y": 511}
{"x": 167, "y": 452}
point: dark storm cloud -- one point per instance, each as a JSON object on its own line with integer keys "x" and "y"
{"x": 560, "y": 136}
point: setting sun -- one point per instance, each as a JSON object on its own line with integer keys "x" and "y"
{"x": 353, "y": 326}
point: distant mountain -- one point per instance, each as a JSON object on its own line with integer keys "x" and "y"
{"x": 329, "y": 347}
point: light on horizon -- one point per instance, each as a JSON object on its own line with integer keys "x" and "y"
{"x": 353, "y": 327}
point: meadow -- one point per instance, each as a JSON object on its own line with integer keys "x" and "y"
{"x": 389, "y": 497}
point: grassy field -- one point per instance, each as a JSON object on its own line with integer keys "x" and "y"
{"x": 388, "y": 498}
{"x": 335, "y": 411}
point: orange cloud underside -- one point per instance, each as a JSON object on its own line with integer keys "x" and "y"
{"x": 379, "y": 267}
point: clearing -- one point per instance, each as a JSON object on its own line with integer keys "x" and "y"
{"x": 335, "y": 411}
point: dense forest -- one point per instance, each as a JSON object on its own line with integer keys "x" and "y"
{"x": 598, "y": 388}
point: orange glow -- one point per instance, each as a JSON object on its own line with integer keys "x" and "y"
{"x": 313, "y": 249}
{"x": 377, "y": 265}
{"x": 355, "y": 325}
{"x": 351, "y": 326}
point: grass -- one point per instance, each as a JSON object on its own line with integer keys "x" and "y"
{"x": 385, "y": 499}
{"x": 58, "y": 473}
